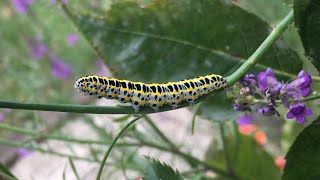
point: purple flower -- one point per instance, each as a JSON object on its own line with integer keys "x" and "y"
{"x": 298, "y": 111}
{"x": 72, "y": 39}
{"x": 248, "y": 80}
{"x": 21, "y": 6}
{"x": 241, "y": 107}
{"x": 22, "y": 152}
{"x": 267, "y": 110}
{"x": 268, "y": 82}
{"x": 2, "y": 116}
{"x": 37, "y": 51}
{"x": 244, "y": 120}
{"x": 299, "y": 87}
{"x": 59, "y": 69}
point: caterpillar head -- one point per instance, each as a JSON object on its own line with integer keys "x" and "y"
{"x": 92, "y": 85}
{"x": 80, "y": 85}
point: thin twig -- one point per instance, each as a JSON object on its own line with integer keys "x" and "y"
{"x": 103, "y": 162}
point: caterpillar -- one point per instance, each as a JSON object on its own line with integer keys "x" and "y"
{"x": 153, "y": 95}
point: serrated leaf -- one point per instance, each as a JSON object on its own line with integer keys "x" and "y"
{"x": 156, "y": 170}
{"x": 307, "y": 20}
{"x": 172, "y": 40}
{"x": 302, "y": 160}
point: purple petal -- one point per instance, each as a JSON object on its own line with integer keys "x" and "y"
{"x": 21, "y": 6}
{"x": 72, "y": 39}
{"x": 308, "y": 112}
{"x": 301, "y": 73}
{"x": 267, "y": 110}
{"x": 269, "y": 72}
{"x": 262, "y": 81}
{"x": 306, "y": 92}
{"x": 300, "y": 119}
{"x": 59, "y": 69}
{"x": 299, "y": 87}
{"x": 297, "y": 108}
{"x": 244, "y": 120}
{"x": 38, "y": 51}
{"x": 306, "y": 81}
{"x": 267, "y": 80}
{"x": 290, "y": 115}
{"x": 22, "y": 152}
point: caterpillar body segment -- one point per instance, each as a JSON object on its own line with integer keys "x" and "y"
{"x": 140, "y": 95}
{"x": 153, "y": 95}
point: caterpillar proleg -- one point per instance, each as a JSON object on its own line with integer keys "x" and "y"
{"x": 153, "y": 95}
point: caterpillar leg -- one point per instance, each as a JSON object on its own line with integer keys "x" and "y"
{"x": 136, "y": 107}
{"x": 155, "y": 107}
{"x": 174, "y": 105}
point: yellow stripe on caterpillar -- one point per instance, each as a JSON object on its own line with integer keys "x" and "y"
{"x": 153, "y": 95}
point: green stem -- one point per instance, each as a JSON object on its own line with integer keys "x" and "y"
{"x": 49, "y": 136}
{"x": 158, "y": 131}
{"x": 14, "y": 144}
{"x": 196, "y": 109}
{"x": 6, "y": 177}
{"x": 84, "y": 108}
{"x": 262, "y": 49}
{"x": 74, "y": 169}
{"x": 310, "y": 98}
{"x": 225, "y": 149}
{"x": 112, "y": 145}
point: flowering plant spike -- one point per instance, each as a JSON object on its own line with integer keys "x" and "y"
{"x": 266, "y": 88}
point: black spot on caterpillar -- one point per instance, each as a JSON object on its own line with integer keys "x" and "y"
{"x": 153, "y": 95}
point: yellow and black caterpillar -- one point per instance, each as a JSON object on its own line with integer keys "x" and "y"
{"x": 153, "y": 95}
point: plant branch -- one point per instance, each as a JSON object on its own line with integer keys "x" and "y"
{"x": 196, "y": 109}
{"x": 49, "y": 136}
{"x": 262, "y": 49}
{"x": 158, "y": 131}
{"x": 118, "y": 109}
{"x": 103, "y": 162}
{"x": 14, "y": 144}
{"x": 310, "y": 98}
{"x": 225, "y": 149}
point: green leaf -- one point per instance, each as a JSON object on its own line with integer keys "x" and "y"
{"x": 262, "y": 9}
{"x": 74, "y": 169}
{"x": 5, "y": 173}
{"x": 64, "y": 173}
{"x": 302, "y": 160}
{"x": 172, "y": 40}
{"x": 307, "y": 20}
{"x": 248, "y": 159}
{"x": 161, "y": 171}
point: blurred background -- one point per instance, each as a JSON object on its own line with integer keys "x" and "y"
{"x": 42, "y": 53}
